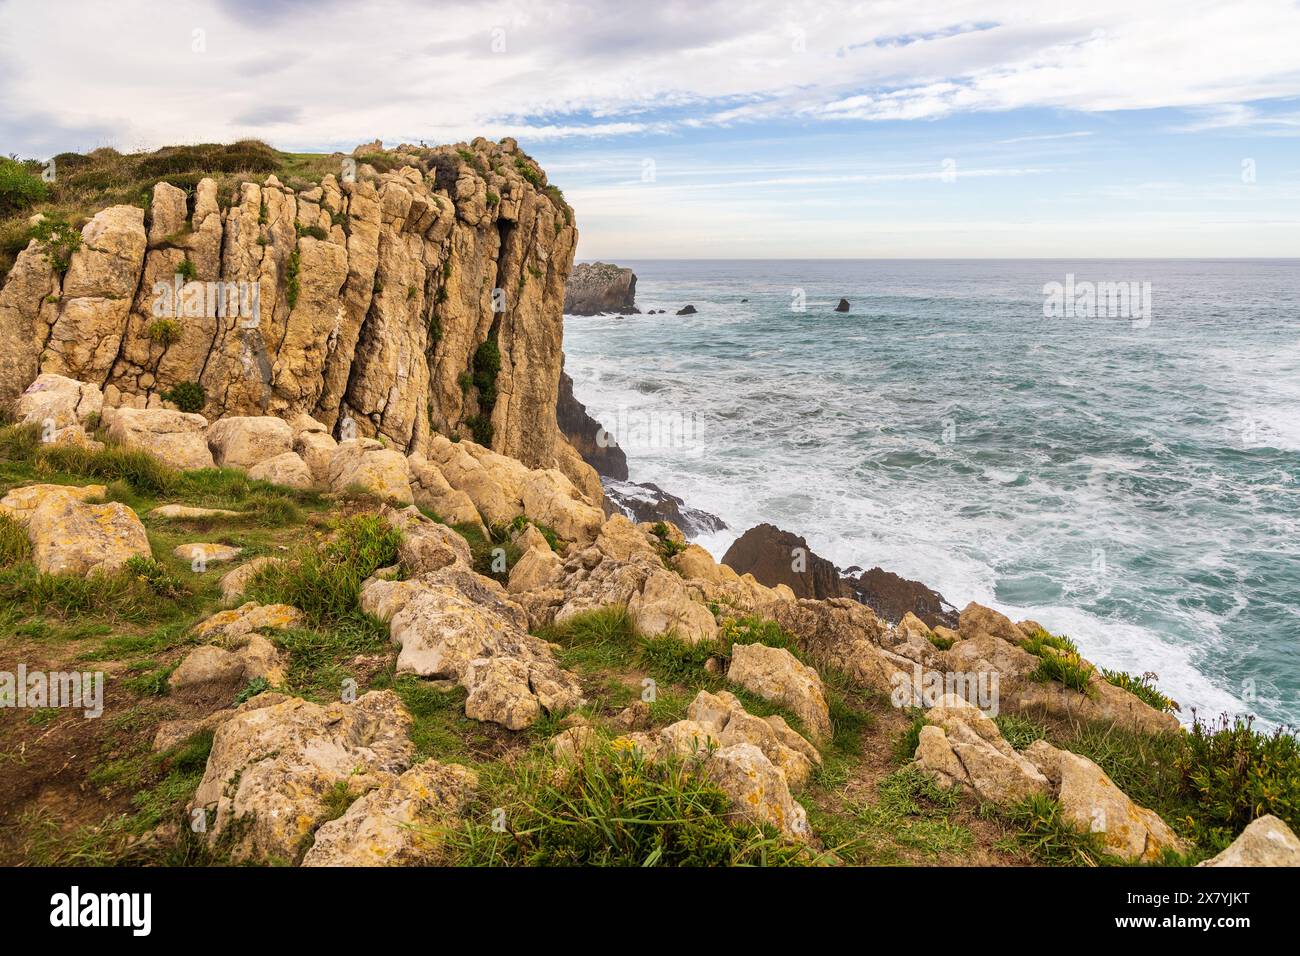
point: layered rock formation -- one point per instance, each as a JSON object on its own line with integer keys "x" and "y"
{"x": 386, "y": 304}
{"x": 597, "y": 287}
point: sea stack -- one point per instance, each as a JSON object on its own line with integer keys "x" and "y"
{"x": 597, "y": 287}
{"x": 843, "y": 306}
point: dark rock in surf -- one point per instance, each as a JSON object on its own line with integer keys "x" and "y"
{"x": 644, "y": 501}
{"x": 686, "y": 310}
{"x": 593, "y": 443}
{"x": 843, "y": 306}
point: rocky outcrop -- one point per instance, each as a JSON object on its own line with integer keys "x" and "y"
{"x": 364, "y": 301}
{"x": 596, "y": 287}
{"x": 960, "y": 746}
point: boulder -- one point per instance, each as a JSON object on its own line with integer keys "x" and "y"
{"x": 725, "y": 720}
{"x": 960, "y": 746}
{"x": 1267, "y": 841}
{"x": 551, "y": 498}
{"x": 178, "y": 439}
{"x": 316, "y": 449}
{"x": 244, "y": 657}
{"x": 365, "y": 466}
{"x": 234, "y": 582}
{"x": 775, "y": 674}
{"x": 758, "y": 790}
{"x": 665, "y": 605}
{"x": 206, "y": 553}
{"x": 536, "y": 568}
{"x": 398, "y": 824}
{"x": 287, "y": 469}
{"x": 431, "y": 490}
{"x": 426, "y": 544}
{"x": 1091, "y": 800}
{"x": 191, "y": 513}
{"x": 248, "y": 618}
{"x": 56, "y": 402}
{"x": 243, "y": 441}
{"x": 515, "y": 693}
{"x": 275, "y": 763}
{"x": 20, "y": 503}
{"x": 69, "y": 536}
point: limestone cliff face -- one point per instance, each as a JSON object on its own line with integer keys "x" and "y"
{"x": 375, "y": 292}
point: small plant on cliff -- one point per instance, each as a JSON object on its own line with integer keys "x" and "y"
{"x": 1035, "y": 643}
{"x": 187, "y": 270}
{"x": 668, "y": 548}
{"x": 1064, "y": 668}
{"x": 164, "y": 332}
{"x": 187, "y": 396}
{"x": 487, "y": 365}
{"x": 481, "y": 426}
{"x": 293, "y": 285}
{"x": 60, "y": 239}
{"x": 492, "y": 199}
{"x": 315, "y": 232}
{"x": 1143, "y": 687}
{"x": 528, "y": 171}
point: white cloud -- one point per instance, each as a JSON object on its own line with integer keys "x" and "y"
{"x": 330, "y": 75}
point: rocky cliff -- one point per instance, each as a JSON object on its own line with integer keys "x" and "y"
{"x": 418, "y": 291}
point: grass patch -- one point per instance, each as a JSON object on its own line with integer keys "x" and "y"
{"x": 323, "y": 578}
{"x": 612, "y": 808}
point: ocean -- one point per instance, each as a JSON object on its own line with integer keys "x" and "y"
{"x": 1130, "y": 480}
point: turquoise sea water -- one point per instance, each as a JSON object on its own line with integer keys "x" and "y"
{"x": 1132, "y": 483}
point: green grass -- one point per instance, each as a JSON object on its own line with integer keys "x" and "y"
{"x": 910, "y": 817}
{"x": 612, "y": 808}
{"x": 1065, "y": 668}
{"x": 14, "y": 546}
{"x": 1018, "y": 731}
{"x": 323, "y": 578}
{"x": 319, "y": 656}
{"x": 1052, "y": 840}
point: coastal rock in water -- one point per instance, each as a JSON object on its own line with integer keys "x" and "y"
{"x": 686, "y": 310}
{"x": 775, "y": 674}
{"x": 596, "y": 446}
{"x": 777, "y": 557}
{"x": 643, "y": 501}
{"x": 1267, "y": 841}
{"x": 842, "y": 305}
{"x": 596, "y": 287}
{"x": 274, "y": 764}
{"x": 398, "y": 824}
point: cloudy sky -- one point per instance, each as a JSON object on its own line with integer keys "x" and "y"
{"x": 737, "y": 129}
